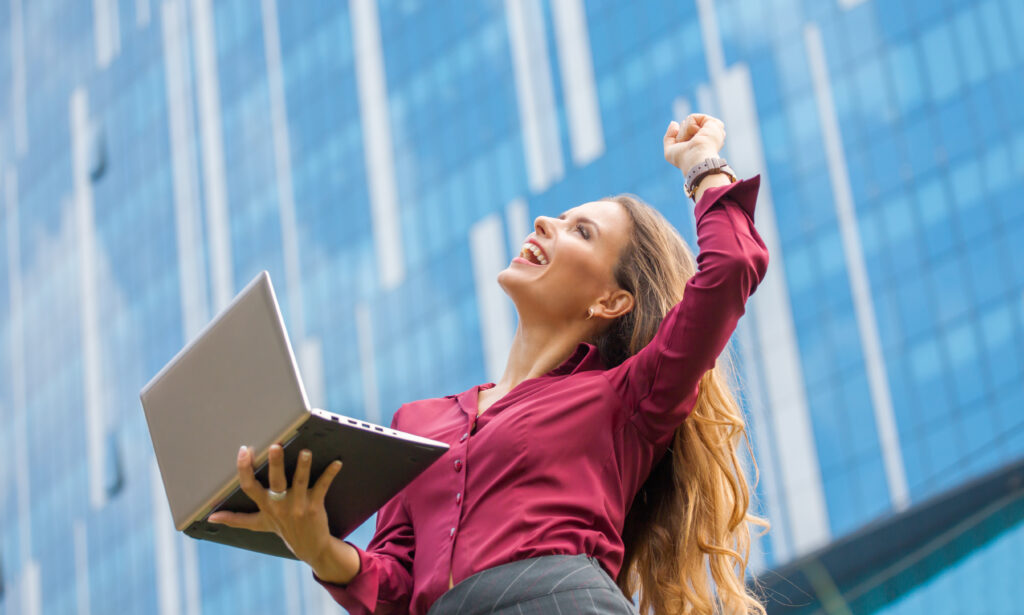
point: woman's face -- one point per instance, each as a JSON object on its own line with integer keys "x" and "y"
{"x": 567, "y": 264}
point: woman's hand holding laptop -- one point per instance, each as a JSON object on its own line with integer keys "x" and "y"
{"x": 296, "y": 514}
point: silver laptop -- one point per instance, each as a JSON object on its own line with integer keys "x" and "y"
{"x": 238, "y": 383}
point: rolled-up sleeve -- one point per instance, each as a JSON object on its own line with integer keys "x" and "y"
{"x": 659, "y": 383}
{"x": 384, "y": 582}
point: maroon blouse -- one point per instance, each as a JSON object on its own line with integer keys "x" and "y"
{"x": 553, "y": 466}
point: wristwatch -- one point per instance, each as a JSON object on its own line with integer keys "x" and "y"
{"x": 702, "y": 169}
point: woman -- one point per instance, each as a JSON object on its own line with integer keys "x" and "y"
{"x": 575, "y": 480}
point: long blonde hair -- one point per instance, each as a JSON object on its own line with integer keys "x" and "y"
{"x": 686, "y": 535}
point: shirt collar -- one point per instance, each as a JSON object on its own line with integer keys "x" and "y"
{"x": 585, "y": 357}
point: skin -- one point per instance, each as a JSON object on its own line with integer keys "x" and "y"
{"x": 560, "y": 304}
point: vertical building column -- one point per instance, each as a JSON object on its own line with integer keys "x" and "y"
{"x": 487, "y": 248}
{"x": 29, "y": 596}
{"x": 538, "y": 116}
{"x": 517, "y": 219}
{"x": 142, "y": 13}
{"x": 212, "y": 140}
{"x": 168, "y": 585}
{"x": 377, "y": 142}
{"x": 106, "y": 31}
{"x": 586, "y": 132}
{"x": 192, "y": 290}
{"x": 19, "y": 114}
{"x": 85, "y": 230}
{"x": 860, "y": 286}
{"x": 367, "y": 363}
{"x": 805, "y": 512}
{"x": 81, "y": 567}
{"x": 309, "y": 351}
{"x": 184, "y": 174}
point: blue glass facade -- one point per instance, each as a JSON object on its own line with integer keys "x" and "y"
{"x": 378, "y": 157}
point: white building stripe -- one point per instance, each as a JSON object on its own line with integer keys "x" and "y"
{"x": 518, "y": 224}
{"x": 31, "y": 592}
{"x": 164, "y": 541}
{"x": 142, "y": 13}
{"x": 759, "y": 429}
{"x": 779, "y": 353}
{"x": 29, "y": 596}
{"x": 487, "y": 249}
{"x": 805, "y": 510}
{"x": 214, "y": 179}
{"x": 192, "y": 289}
{"x": 517, "y": 219}
{"x": 367, "y": 363}
{"x": 377, "y": 143}
{"x": 586, "y": 132}
{"x": 190, "y": 570}
{"x": 309, "y": 352}
{"x": 81, "y": 567}
{"x": 714, "y": 53}
{"x": 17, "y": 364}
{"x": 106, "y": 31}
{"x": 181, "y": 126}
{"x": 860, "y": 287}
{"x": 283, "y": 168}
{"x": 19, "y": 117}
{"x": 85, "y": 230}
{"x": 706, "y": 102}
{"x": 534, "y": 93}
{"x": 681, "y": 108}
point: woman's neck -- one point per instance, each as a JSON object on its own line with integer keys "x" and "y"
{"x": 537, "y": 349}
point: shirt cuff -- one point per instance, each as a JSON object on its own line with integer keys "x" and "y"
{"x": 360, "y": 594}
{"x": 742, "y": 193}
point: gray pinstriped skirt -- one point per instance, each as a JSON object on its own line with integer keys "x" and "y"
{"x": 560, "y": 584}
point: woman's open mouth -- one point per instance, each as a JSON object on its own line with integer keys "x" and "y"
{"x": 533, "y": 254}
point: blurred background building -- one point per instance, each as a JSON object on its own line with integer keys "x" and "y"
{"x": 384, "y": 160}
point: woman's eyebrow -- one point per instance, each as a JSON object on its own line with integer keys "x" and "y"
{"x": 585, "y": 220}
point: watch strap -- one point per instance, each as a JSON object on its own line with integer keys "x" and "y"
{"x": 702, "y": 169}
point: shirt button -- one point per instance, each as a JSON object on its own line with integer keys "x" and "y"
{"x": 458, "y": 498}
{"x": 464, "y": 436}
{"x": 451, "y": 533}
{"x": 458, "y": 465}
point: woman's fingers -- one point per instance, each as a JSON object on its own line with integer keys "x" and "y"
{"x": 692, "y": 126}
{"x": 323, "y": 483}
{"x": 300, "y": 480}
{"x": 278, "y": 482}
{"x": 245, "y": 521}
{"x": 247, "y": 479}
{"x": 671, "y": 132}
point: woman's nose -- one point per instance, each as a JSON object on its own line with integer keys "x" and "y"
{"x": 542, "y": 225}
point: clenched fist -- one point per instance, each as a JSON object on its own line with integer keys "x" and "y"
{"x": 700, "y": 136}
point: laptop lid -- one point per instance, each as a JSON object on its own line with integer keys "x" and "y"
{"x": 235, "y": 383}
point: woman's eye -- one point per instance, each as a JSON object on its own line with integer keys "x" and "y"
{"x": 583, "y": 231}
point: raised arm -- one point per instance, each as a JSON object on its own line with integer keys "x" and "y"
{"x": 659, "y": 383}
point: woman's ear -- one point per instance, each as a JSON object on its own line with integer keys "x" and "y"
{"x": 614, "y": 304}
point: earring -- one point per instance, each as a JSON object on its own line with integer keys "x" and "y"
{"x": 590, "y": 313}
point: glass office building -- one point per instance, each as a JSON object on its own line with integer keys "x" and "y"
{"x": 384, "y": 160}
